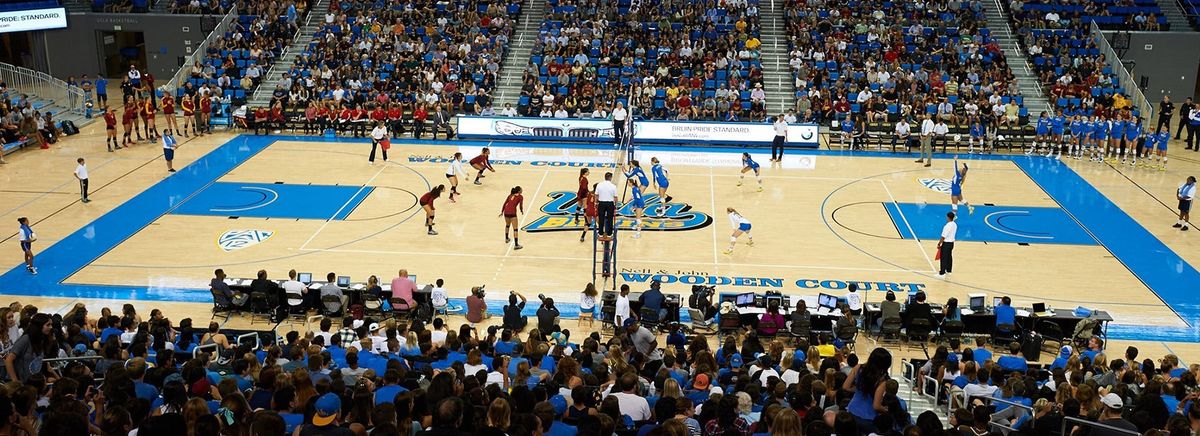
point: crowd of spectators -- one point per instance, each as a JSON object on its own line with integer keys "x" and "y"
{"x": 873, "y": 61}
{"x": 686, "y": 60}
{"x": 410, "y": 58}
{"x": 21, "y": 122}
{"x": 1076, "y": 76}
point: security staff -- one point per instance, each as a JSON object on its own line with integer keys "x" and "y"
{"x": 946, "y": 246}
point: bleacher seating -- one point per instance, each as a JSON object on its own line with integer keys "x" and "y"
{"x": 1108, "y": 14}
{"x": 677, "y": 59}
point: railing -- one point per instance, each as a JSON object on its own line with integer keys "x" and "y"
{"x": 283, "y": 55}
{"x": 1131, "y": 86}
{"x": 214, "y": 347}
{"x": 201, "y": 50}
{"x": 41, "y": 86}
{"x": 252, "y": 336}
{"x": 1086, "y": 423}
{"x": 998, "y": 419}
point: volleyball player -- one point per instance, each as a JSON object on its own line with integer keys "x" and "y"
{"x": 453, "y": 170}
{"x": 581, "y": 193}
{"x": 638, "y": 204}
{"x": 740, "y": 225}
{"x": 168, "y": 108}
{"x": 127, "y": 128}
{"x": 662, "y": 181}
{"x": 1075, "y": 128}
{"x": 148, "y": 111}
{"x": 748, "y": 164}
{"x": 634, "y": 170}
{"x": 1057, "y": 135}
{"x": 189, "y": 112}
{"x": 1116, "y": 138}
{"x": 480, "y": 163}
{"x": 203, "y": 114}
{"x": 1160, "y": 139}
{"x": 956, "y": 182}
{"x": 110, "y": 128}
{"x": 512, "y": 204}
{"x": 590, "y": 210}
{"x": 27, "y": 237}
{"x": 1041, "y": 133}
{"x": 1133, "y": 133}
{"x": 427, "y": 204}
{"x": 1100, "y": 135}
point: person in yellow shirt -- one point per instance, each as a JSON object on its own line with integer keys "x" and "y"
{"x": 740, "y": 25}
{"x": 1120, "y": 102}
{"x": 753, "y": 43}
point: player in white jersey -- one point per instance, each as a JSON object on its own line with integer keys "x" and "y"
{"x": 453, "y": 170}
{"x": 740, "y": 225}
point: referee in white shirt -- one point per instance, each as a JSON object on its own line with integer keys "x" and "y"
{"x": 618, "y": 116}
{"x": 780, "y": 138}
{"x": 81, "y": 173}
{"x": 1186, "y": 193}
{"x": 606, "y": 199}
{"x": 946, "y": 246}
{"x": 927, "y": 127}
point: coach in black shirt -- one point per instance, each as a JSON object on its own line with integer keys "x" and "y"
{"x": 1165, "y": 110}
{"x": 918, "y": 310}
{"x": 272, "y": 290}
{"x": 1184, "y": 110}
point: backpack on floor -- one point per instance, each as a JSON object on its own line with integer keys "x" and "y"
{"x": 68, "y": 128}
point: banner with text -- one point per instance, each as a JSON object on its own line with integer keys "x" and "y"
{"x": 662, "y": 132}
{"x": 33, "y": 19}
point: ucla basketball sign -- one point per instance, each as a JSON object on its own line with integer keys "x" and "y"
{"x": 560, "y": 212}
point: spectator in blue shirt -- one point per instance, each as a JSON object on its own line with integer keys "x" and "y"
{"x": 391, "y": 387}
{"x": 1095, "y": 346}
{"x": 1061, "y": 360}
{"x": 1014, "y": 361}
{"x": 653, "y": 299}
{"x": 1005, "y": 314}
{"x": 981, "y": 353}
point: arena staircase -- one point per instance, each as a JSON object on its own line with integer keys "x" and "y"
{"x": 1175, "y": 16}
{"x": 520, "y": 47}
{"x": 997, "y": 22}
{"x": 777, "y": 75}
{"x": 312, "y": 23}
{"x": 917, "y": 403}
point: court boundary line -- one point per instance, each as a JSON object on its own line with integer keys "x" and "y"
{"x": 712, "y": 197}
{"x": 347, "y": 203}
{"x": 906, "y": 224}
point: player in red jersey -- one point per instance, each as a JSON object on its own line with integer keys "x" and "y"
{"x": 427, "y": 204}
{"x": 480, "y": 163}
{"x": 127, "y": 118}
{"x": 189, "y": 112}
{"x": 110, "y": 127}
{"x": 148, "y": 111}
{"x": 589, "y": 212}
{"x": 168, "y": 108}
{"x": 581, "y": 193}
{"x": 509, "y": 211}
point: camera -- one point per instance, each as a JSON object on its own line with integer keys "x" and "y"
{"x": 701, "y": 296}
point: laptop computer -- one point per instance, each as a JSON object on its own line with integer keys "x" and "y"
{"x": 343, "y": 281}
{"x": 305, "y": 278}
{"x": 1039, "y": 309}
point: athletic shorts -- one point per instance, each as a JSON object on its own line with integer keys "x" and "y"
{"x": 107, "y": 127}
{"x": 26, "y": 246}
{"x": 745, "y": 227}
{"x": 507, "y": 216}
{"x": 1162, "y": 146}
{"x": 956, "y": 190}
{"x": 638, "y": 203}
{"x": 1043, "y": 132}
{"x": 1184, "y": 206}
{"x": 663, "y": 183}
{"x": 448, "y": 175}
{"x": 169, "y": 154}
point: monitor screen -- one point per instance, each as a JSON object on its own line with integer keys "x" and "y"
{"x": 775, "y": 301}
{"x": 1039, "y": 307}
{"x": 827, "y": 301}
{"x": 912, "y": 298}
{"x": 996, "y": 301}
{"x": 305, "y": 278}
{"x": 343, "y": 281}
{"x": 977, "y": 302}
{"x": 746, "y": 299}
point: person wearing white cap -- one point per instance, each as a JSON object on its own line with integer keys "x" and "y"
{"x": 1111, "y": 416}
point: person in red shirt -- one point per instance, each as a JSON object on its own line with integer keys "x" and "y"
{"x": 310, "y": 118}
{"x": 262, "y": 120}
{"x": 277, "y": 118}
{"x": 148, "y": 111}
{"x": 360, "y": 121}
{"x": 110, "y": 127}
{"x": 323, "y": 117}
{"x": 168, "y": 108}
{"x": 589, "y": 212}
{"x": 204, "y": 115}
{"x": 189, "y": 112}
{"x": 426, "y": 202}
{"x": 581, "y": 193}
{"x": 344, "y": 118}
{"x": 127, "y": 118}
{"x": 394, "y": 119}
{"x": 419, "y": 117}
{"x": 378, "y": 115}
{"x": 480, "y": 163}
{"x": 509, "y": 211}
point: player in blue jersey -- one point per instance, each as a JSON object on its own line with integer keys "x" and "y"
{"x": 1042, "y": 134}
{"x": 741, "y": 225}
{"x": 1133, "y": 143}
{"x": 662, "y": 181}
{"x": 1076, "y": 130}
{"x": 1100, "y": 137}
{"x": 748, "y": 164}
{"x": 956, "y": 182}
{"x": 633, "y": 170}
{"x": 638, "y": 204}
{"x": 1116, "y": 136}
{"x": 1160, "y": 140}
{"x": 1057, "y": 129}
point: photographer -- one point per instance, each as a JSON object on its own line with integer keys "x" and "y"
{"x": 547, "y": 315}
{"x": 513, "y": 319}
{"x": 701, "y": 300}
{"x": 476, "y": 306}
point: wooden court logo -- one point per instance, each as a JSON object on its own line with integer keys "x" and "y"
{"x": 239, "y": 239}
{"x": 560, "y": 216}
{"x": 939, "y": 185}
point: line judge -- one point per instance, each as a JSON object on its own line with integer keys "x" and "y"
{"x": 946, "y": 246}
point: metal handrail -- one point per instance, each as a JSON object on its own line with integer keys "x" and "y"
{"x": 1086, "y": 423}
{"x": 1028, "y": 410}
{"x": 283, "y": 54}
{"x": 252, "y": 335}
{"x": 1131, "y": 86}
{"x": 201, "y": 51}
{"x": 42, "y": 86}
{"x": 197, "y": 350}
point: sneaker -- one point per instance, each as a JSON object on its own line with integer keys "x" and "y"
{"x": 1177, "y": 225}
{"x": 941, "y": 276}
{"x": 923, "y": 160}
{"x": 739, "y": 183}
{"x": 727, "y": 252}
{"x": 970, "y": 210}
{"x": 760, "y": 189}
{"x": 171, "y": 170}
{"x": 517, "y": 247}
{"x": 1184, "y": 229}
{"x": 750, "y": 243}
{"x": 478, "y": 182}
{"x": 432, "y": 232}
{"x": 507, "y": 239}
{"x": 33, "y": 271}
{"x": 581, "y": 239}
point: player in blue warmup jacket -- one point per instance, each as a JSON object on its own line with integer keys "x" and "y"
{"x": 1160, "y": 140}
{"x": 1100, "y": 136}
{"x": 1116, "y": 136}
{"x": 976, "y": 132}
{"x": 1042, "y": 134}
{"x": 1057, "y": 129}
{"x": 1133, "y": 136}
{"x": 748, "y": 164}
{"x": 662, "y": 181}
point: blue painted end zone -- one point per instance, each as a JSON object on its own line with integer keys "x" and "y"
{"x": 1012, "y": 224}
{"x": 264, "y": 200}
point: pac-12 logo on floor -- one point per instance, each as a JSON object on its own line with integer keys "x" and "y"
{"x": 560, "y": 212}
{"x": 939, "y": 185}
{"x": 239, "y": 239}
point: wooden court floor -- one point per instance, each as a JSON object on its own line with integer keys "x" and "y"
{"x": 820, "y": 224}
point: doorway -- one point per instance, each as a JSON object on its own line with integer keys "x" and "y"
{"x": 118, "y": 49}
